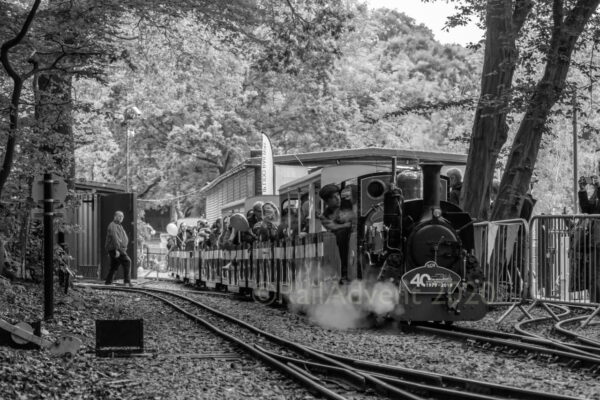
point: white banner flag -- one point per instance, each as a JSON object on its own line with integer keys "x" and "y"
{"x": 491, "y": 239}
{"x": 268, "y": 185}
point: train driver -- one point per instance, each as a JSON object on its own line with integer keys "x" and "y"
{"x": 455, "y": 185}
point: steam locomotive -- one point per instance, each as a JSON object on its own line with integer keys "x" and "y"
{"x": 421, "y": 245}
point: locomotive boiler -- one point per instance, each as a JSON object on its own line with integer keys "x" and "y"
{"x": 422, "y": 245}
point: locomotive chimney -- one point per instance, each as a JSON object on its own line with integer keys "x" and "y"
{"x": 431, "y": 185}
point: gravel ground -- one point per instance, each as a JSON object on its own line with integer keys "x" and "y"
{"x": 171, "y": 374}
{"x": 543, "y": 328}
{"x": 425, "y": 352}
{"x": 591, "y": 331}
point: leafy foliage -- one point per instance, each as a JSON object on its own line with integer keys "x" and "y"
{"x": 323, "y": 78}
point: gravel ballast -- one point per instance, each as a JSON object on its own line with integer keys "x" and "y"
{"x": 425, "y": 352}
{"x": 174, "y": 370}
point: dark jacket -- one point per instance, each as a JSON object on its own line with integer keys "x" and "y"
{"x": 454, "y": 196}
{"x": 589, "y": 206}
{"x": 527, "y": 203}
{"x": 116, "y": 238}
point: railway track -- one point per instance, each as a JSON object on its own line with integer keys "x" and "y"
{"x": 525, "y": 341}
{"x": 588, "y": 345}
{"x": 560, "y": 327}
{"x": 314, "y": 368}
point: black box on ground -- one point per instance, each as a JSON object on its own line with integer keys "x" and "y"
{"x": 119, "y": 337}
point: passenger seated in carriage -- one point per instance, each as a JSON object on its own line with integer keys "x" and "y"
{"x": 215, "y": 233}
{"x": 203, "y": 233}
{"x": 190, "y": 239}
{"x": 266, "y": 229}
{"x": 229, "y": 237}
{"x": 254, "y": 217}
{"x": 288, "y": 227}
{"x": 180, "y": 238}
{"x": 304, "y": 214}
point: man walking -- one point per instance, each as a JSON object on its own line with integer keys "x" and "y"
{"x": 116, "y": 245}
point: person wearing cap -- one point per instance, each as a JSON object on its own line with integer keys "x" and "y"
{"x": 330, "y": 194}
{"x": 332, "y": 220}
{"x": 256, "y": 215}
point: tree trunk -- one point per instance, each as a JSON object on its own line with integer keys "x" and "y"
{"x": 523, "y": 155}
{"x": 16, "y": 95}
{"x": 2, "y": 257}
{"x": 13, "y": 126}
{"x": 489, "y": 127}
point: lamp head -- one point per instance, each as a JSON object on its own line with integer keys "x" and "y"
{"x": 132, "y": 112}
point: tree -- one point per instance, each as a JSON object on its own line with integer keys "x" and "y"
{"x": 195, "y": 90}
{"x": 504, "y": 21}
{"x": 567, "y": 27}
{"x": 15, "y": 98}
{"x": 519, "y": 33}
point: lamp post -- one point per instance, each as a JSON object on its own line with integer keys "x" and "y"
{"x": 574, "y": 121}
{"x": 130, "y": 113}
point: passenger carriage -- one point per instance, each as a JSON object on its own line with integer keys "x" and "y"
{"x": 274, "y": 270}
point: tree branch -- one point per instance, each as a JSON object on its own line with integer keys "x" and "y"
{"x": 150, "y": 187}
{"x": 580, "y": 14}
{"x": 520, "y": 14}
{"x": 9, "y": 44}
{"x": 36, "y": 69}
{"x": 294, "y": 13}
{"x": 197, "y": 157}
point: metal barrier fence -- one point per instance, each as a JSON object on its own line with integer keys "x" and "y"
{"x": 502, "y": 248}
{"x": 555, "y": 258}
{"x": 565, "y": 258}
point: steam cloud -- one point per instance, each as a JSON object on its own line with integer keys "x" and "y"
{"x": 330, "y": 305}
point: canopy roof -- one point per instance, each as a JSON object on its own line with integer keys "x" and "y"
{"x": 369, "y": 155}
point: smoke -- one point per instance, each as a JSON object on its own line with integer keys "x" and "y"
{"x": 331, "y": 305}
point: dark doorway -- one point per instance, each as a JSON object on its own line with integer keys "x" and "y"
{"x": 109, "y": 204}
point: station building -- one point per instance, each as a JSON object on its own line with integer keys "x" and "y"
{"x": 230, "y": 191}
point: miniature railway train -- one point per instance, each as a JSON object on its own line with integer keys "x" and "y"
{"x": 405, "y": 234}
